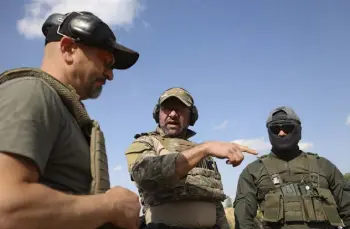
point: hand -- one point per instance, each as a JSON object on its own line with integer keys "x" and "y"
{"x": 125, "y": 208}
{"x": 231, "y": 151}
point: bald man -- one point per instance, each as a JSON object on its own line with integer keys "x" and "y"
{"x": 53, "y": 163}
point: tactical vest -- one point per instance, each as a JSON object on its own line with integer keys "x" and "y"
{"x": 90, "y": 128}
{"x": 202, "y": 182}
{"x": 298, "y": 198}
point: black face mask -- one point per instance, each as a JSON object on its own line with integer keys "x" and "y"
{"x": 288, "y": 142}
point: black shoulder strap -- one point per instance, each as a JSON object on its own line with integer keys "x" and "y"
{"x": 136, "y": 136}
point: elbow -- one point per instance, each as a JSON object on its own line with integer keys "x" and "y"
{"x": 154, "y": 172}
{"x": 145, "y": 180}
{"x": 10, "y": 210}
{"x": 151, "y": 182}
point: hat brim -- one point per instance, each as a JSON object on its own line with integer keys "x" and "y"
{"x": 177, "y": 97}
{"x": 124, "y": 57}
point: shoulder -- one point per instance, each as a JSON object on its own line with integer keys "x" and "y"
{"x": 145, "y": 137}
{"x": 312, "y": 154}
{"x": 320, "y": 159}
{"x": 28, "y": 81}
{"x": 29, "y": 88}
{"x": 325, "y": 165}
{"x": 142, "y": 142}
{"x": 255, "y": 166}
{"x": 30, "y": 93}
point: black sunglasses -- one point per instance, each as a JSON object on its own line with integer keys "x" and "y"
{"x": 286, "y": 128}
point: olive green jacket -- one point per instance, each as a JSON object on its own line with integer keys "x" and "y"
{"x": 254, "y": 182}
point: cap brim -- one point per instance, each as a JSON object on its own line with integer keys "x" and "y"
{"x": 177, "y": 97}
{"x": 124, "y": 57}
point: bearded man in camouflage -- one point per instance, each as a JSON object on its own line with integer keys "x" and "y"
{"x": 178, "y": 180}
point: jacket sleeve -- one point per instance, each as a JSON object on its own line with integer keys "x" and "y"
{"x": 221, "y": 219}
{"x": 340, "y": 191}
{"x": 246, "y": 203}
{"x": 149, "y": 170}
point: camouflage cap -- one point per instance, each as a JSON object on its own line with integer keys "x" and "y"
{"x": 289, "y": 114}
{"x": 179, "y": 93}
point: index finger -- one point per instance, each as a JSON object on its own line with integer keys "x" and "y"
{"x": 246, "y": 149}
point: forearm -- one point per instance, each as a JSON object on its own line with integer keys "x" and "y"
{"x": 151, "y": 172}
{"x": 246, "y": 203}
{"x": 245, "y": 213}
{"x": 35, "y": 206}
{"x": 339, "y": 190}
{"x": 344, "y": 206}
{"x": 188, "y": 159}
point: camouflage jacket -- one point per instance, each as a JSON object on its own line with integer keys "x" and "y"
{"x": 154, "y": 174}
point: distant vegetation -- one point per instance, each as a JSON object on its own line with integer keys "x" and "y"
{"x": 230, "y": 214}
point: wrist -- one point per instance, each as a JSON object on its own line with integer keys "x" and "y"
{"x": 205, "y": 149}
{"x": 108, "y": 207}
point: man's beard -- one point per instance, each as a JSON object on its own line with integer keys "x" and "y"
{"x": 174, "y": 134}
{"x": 94, "y": 91}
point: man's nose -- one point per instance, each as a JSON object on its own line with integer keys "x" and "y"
{"x": 282, "y": 133}
{"x": 173, "y": 113}
{"x": 109, "y": 74}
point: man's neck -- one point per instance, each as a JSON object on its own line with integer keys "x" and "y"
{"x": 186, "y": 134}
{"x": 287, "y": 155}
{"x": 49, "y": 65}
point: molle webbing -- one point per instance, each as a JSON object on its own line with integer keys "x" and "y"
{"x": 99, "y": 161}
{"x": 90, "y": 128}
{"x": 273, "y": 168}
{"x": 298, "y": 197}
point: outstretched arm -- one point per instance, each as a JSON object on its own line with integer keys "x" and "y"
{"x": 150, "y": 170}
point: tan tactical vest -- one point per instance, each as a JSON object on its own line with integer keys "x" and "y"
{"x": 91, "y": 129}
{"x": 298, "y": 198}
{"x": 202, "y": 182}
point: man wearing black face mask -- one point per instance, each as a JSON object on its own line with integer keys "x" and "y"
{"x": 292, "y": 188}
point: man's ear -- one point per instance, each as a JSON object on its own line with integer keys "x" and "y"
{"x": 68, "y": 47}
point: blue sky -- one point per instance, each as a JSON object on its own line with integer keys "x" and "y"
{"x": 239, "y": 59}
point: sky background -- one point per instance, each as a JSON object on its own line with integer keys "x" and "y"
{"x": 239, "y": 59}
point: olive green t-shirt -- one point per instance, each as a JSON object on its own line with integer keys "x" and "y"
{"x": 35, "y": 124}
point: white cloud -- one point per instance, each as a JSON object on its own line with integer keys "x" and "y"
{"x": 347, "y": 122}
{"x": 118, "y": 168}
{"x": 221, "y": 126}
{"x": 261, "y": 145}
{"x": 114, "y": 12}
{"x": 305, "y": 145}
